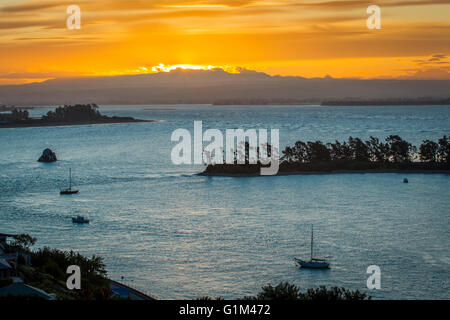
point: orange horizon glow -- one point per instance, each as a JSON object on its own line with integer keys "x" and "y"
{"x": 314, "y": 38}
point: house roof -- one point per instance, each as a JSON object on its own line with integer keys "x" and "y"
{"x": 4, "y": 264}
{"x": 21, "y": 289}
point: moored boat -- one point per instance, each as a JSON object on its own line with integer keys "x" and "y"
{"x": 69, "y": 190}
{"x": 313, "y": 263}
{"x": 80, "y": 219}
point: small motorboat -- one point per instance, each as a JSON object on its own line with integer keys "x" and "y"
{"x": 313, "y": 263}
{"x": 69, "y": 190}
{"x": 405, "y": 180}
{"x": 80, "y": 219}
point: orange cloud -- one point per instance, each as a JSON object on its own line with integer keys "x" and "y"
{"x": 310, "y": 38}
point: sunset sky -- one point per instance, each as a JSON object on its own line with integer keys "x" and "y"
{"x": 311, "y": 38}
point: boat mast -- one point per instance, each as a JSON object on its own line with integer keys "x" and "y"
{"x": 70, "y": 178}
{"x": 312, "y": 236}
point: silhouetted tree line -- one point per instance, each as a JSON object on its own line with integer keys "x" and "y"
{"x": 393, "y": 150}
{"x": 54, "y": 262}
{"x": 78, "y": 112}
{"x": 15, "y": 115}
{"x": 47, "y": 270}
{"x": 393, "y": 153}
{"x": 287, "y": 291}
{"x": 68, "y": 114}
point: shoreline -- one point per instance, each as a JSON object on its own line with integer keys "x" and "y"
{"x": 243, "y": 175}
{"x": 71, "y": 123}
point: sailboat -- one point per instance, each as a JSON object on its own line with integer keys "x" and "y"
{"x": 313, "y": 263}
{"x": 69, "y": 190}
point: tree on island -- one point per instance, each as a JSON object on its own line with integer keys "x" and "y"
{"x": 444, "y": 150}
{"x": 378, "y": 151}
{"x": 78, "y": 112}
{"x": 399, "y": 149}
{"x": 428, "y": 151}
{"x": 395, "y": 150}
{"x": 353, "y": 154}
{"x": 16, "y": 115}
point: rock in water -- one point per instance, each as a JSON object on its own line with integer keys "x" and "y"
{"x": 47, "y": 156}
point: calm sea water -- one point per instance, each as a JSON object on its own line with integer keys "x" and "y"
{"x": 178, "y": 235}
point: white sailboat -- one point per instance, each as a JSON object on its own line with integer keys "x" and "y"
{"x": 313, "y": 263}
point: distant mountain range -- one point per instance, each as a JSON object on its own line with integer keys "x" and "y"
{"x": 217, "y": 87}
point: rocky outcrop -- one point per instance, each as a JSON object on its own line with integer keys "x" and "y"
{"x": 47, "y": 156}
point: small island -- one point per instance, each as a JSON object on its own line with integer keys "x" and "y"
{"x": 424, "y": 101}
{"x": 79, "y": 114}
{"x": 351, "y": 156}
{"x": 48, "y": 156}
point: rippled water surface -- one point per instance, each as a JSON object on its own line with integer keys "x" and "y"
{"x": 178, "y": 235}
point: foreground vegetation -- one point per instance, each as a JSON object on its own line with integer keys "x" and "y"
{"x": 287, "y": 291}
{"x": 373, "y": 155}
{"x": 46, "y": 270}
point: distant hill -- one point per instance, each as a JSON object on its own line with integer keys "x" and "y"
{"x": 215, "y": 86}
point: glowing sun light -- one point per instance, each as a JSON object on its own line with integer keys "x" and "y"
{"x": 163, "y": 68}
